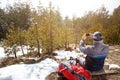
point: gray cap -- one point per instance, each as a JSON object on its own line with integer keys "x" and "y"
{"x": 97, "y": 36}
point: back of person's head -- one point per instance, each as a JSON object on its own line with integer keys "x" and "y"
{"x": 97, "y": 36}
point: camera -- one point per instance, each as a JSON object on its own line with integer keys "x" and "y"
{"x": 87, "y": 34}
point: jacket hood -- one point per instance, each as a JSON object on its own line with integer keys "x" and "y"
{"x": 98, "y": 43}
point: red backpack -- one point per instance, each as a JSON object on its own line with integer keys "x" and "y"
{"x": 73, "y": 72}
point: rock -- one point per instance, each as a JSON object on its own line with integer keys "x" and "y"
{"x": 52, "y": 76}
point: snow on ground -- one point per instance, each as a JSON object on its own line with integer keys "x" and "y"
{"x": 113, "y": 66}
{"x": 2, "y": 54}
{"x": 32, "y": 71}
{"x": 19, "y": 53}
{"x": 61, "y": 54}
{"x": 29, "y": 72}
{"x": 36, "y": 71}
{"x": 64, "y": 54}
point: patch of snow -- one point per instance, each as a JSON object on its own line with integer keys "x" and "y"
{"x": 29, "y": 72}
{"x": 106, "y": 63}
{"x": 77, "y": 49}
{"x": 2, "y": 54}
{"x": 113, "y": 66}
{"x": 31, "y": 58}
{"x": 82, "y": 54}
{"x": 19, "y": 53}
{"x": 116, "y": 50}
{"x": 62, "y": 54}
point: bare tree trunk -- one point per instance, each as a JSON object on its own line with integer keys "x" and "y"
{"x": 65, "y": 44}
{"x": 22, "y": 49}
{"x": 38, "y": 45}
{"x": 37, "y": 40}
{"x": 15, "y": 53}
{"x": 51, "y": 31}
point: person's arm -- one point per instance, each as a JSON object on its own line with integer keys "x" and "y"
{"x": 83, "y": 49}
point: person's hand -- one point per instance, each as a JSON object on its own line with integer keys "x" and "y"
{"x": 84, "y": 36}
{"x": 91, "y": 35}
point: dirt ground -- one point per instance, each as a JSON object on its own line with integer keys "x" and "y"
{"x": 114, "y": 55}
{"x": 113, "y": 58}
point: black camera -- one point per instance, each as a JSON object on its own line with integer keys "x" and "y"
{"x": 87, "y": 34}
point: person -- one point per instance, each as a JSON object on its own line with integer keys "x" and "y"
{"x": 96, "y": 53}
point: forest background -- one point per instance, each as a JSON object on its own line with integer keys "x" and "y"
{"x": 45, "y": 28}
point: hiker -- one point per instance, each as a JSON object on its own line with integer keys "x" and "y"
{"x": 95, "y": 54}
